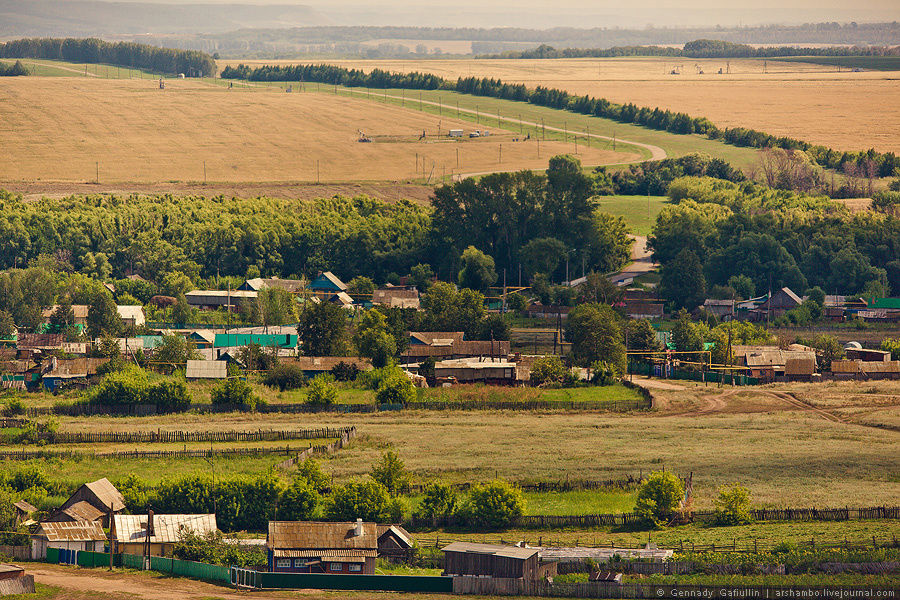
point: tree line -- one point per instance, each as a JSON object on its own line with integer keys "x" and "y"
{"x": 884, "y": 164}
{"x": 192, "y": 63}
{"x": 14, "y": 70}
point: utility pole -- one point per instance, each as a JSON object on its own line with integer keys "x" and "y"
{"x": 457, "y": 158}
{"x": 204, "y": 172}
{"x": 98, "y": 171}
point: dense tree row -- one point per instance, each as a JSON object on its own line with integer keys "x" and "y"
{"x": 719, "y": 236}
{"x": 882, "y": 164}
{"x": 124, "y": 54}
{"x": 13, "y": 70}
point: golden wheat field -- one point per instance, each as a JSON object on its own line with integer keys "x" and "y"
{"x": 816, "y": 103}
{"x": 59, "y": 129}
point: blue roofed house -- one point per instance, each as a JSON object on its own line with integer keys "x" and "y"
{"x": 327, "y": 284}
{"x": 235, "y": 340}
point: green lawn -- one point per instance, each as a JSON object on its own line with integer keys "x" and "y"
{"x": 674, "y": 145}
{"x": 639, "y": 212}
{"x": 58, "y": 68}
{"x": 587, "y": 502}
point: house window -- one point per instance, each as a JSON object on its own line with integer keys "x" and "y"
{"x": 300, "y": 563}
{"x": 283, "y": 563}
{"x": 355, "y": 568}
{"x": 336, "y": 566}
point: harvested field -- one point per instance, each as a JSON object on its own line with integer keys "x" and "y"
{"x": 58, "y": 129}
{"x": 812, "y": 102}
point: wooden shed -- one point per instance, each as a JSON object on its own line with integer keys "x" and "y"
{"x": 91, "y": 502}
{"x": 130, "y": 532}
{"x": 800, "y": 369}
{"x": 393, "y": 540}
{"x": 464, "y": 559}
{"x": 73, "y": 536}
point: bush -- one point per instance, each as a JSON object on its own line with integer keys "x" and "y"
{"x": 15, "y": 406}
{"x": 366, "y": 500}
{"x": 733, "y": 505}
{"x": 126, "y": 387}
{"x": 395, "y": 388}
{"x": 310, "y": 472}
{"x": 298, "y": 502}
{"x": 494, "y": 505}
{"x": 285, "y": 376}
{"x": 213, "y": 549}
{"x": 234, "y": 392}
{"x": 439, "y": 501}
{"x": 391, "y": 473}
{"x": 548, "y": 370}
{"x": 659, "y": 497}
{"x": 344, "y": 371}
{"x": 603, "y": 373}
{"x": 169, "y": 396}
{"x": 321, "y": 390}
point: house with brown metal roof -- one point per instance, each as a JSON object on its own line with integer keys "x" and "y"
{"x": 131, "y": 533}
{"x": 92, "y": 502}
{"x": 865, "y": 370}
{"x": 393, "y": 540}
{"x": 317, "y": 547}
{"x": 71, "y": 536}
{"x": 465, "y": 559}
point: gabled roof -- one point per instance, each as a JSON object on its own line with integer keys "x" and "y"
{"x": 80, "y": 311}
{"x": 258, "y": 283}
{"x": 78, "y": 531}
{"x": 491, "y": 549}
{"x": 134, "y": 312}
{"x": 342, "y": 298}
{"x": 83, "y": 511}
{"x": 24, "y": 506}
{"x": 204, "y": 335}
{"x": 299, "y": 535}
{"x": 167, "y": 529}
{"x": 107, "y": 493}
{"x": 399, "y": 532}
{"x": 41, "y": 340}
{"x": 327, "y": 281}
{"x": 436, "y": 338}
{"x": 75, "y": 367}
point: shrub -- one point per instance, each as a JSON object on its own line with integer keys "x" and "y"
{"x": 285, "y": 377}
{"x": 391, "y": 473}
{"x": 27, "y": 478}
{"x": 126, "y": 387}
{"x": 439, "y": 501}
{"x": 494, "y": 505}
{"x": 213, "y": 549}
{"x": 321, "y": 390}
{"x": 366, "y": 500}
{"x": 603, "y": 373}
{"x": 733, "y": 505}
{"x": 548, "y": 369}
{"x": 395, "y": 388}
{"x": 344, "y": 371}
{"x": 298, "y": 502}
{"x": 233, "y": 392}
{"x": 169, "y": 396}
{"x": 659, "y": 497}
{"x": 15, "y": 406}
{"x": 310, "y": 472}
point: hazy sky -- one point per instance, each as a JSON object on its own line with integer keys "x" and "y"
{"x": 585, "y": 13}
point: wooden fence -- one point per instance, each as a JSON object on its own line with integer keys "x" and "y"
{"x": 150, "y": 437}
{"x": 16, "y": 552}
{"x": 625, "y": 519}
{"x": 563, "y": 485}
{"x": 200, "y": 453}
{"x": 12, "y": 422}
{"x": 320, "y": 449}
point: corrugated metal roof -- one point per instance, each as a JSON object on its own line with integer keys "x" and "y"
{"x": 83, "y": 511}
{"x": 166, "y": 528}
{"x": 72, "y": 531}
{"x": 24, "y": 506}
{"x": 494, "y": 549}
{"x": 325, "y": 553}
{"x": 317, "y": 534}
{"x": 206, "y": 369}
{"x": 428, "y": 337}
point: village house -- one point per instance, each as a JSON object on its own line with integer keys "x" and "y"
{"x": 92, "y": 502}
{"x": 769, "y": 362}
{"x": 316, "y": 365}
{"x": 865, "y": 370}
{"x": 132, "y": 316}
{"x": 326, "y": 285}
{"x": 70, "y": 372}
{"x": 396, "y": 297}
{"x": 80, "y": 311}
{"x": 289, "y": 285}
{"x": 881, "y": 309}
{"x": 316, "y": 547}
{"x": 495, "y": 371}
{"x": 465, "y": 559}
{"x": 130, "y": 532}
{"x": 69, "y": 537}
{"x": 775, "y": 306}
{"x": 216, "y": 299}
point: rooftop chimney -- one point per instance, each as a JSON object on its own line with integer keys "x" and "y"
{"x": 358, "y": 531}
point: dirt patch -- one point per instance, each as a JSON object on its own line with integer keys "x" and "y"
{"x": 856, "y": 205}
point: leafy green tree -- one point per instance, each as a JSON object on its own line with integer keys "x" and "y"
{"x": 234, "y": 392}
{"x": 733, "y": 505}
{"x": 439, "y": 501}
{"x": 477, "y": 271}
{"x": 322, "y": 329}
{"x": 891, "y": 345}
{"x": 182, "y": 312}
{"x": 595, "y": 334}
{"x": 516, "y": 302}
{"x": 828, "y": 349}
{"x": 598, "y": 288}
{"x": 742, "y": 286}
{"x": 395, "y": 388}
{"x": 275, "y": 306}
{"x": 421, "y": 276}
{"x": 312, "y": 474}
{"x": 169, "y": 396}
{"x": 366, "y": 500}
{"x": 173, "y": 352}
{"x": 542, "y": 255}
{"x": 686, "y": 334}
{"x": 321, "y": 390}
{"x": 285, "y": 376}
{"x": 361, "y": 288}
{"x": 603, "y": 373}
{"x": 176, "y": 284}
{"x": 126, "y": 387}
{"x": 548, "y": 369}
{"x": 297, "y": 502}
{"x": 447, "y": 309}
{"x": 62, "y": 319}
{"x": 373, "y": 340}
{"x": 659, "y": 497}
{"x": 642, "y": 336}
{"x": 682, "y": 281}
{"x": 103, "y": 317}
{"x": 390, "y": 472}
{"x": 7, "y": 325}
{"x": 495, "y": 505}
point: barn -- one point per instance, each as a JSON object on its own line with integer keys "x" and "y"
{"x": 91, "y": 502}
{"x": 464, "y": 559}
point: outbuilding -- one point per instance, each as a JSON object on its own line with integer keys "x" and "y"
{"x": 69, "y": 536}
{"x": 132, "y": 532}
{"x": 465, "y": 559}
{"x": 91, "y": 502}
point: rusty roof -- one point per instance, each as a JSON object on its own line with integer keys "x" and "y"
{"x": 321, "y": 535}
{"x": 71, "y": 531}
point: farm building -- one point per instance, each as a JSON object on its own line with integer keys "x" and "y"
{"x": 779, "y": 303}
{"x": 441, "y": 350}
{"x": 70, "y": 536}
{"x": 14, "y": 581}
{"x": 881, "y": 309}
{"x": 477, "y": 370}
{"x": 69, "y": 372}
{"x": 129, "y": 532}
{"x": 213, "y": 299}
{"x": 315, "y": 547}
{"x": 202, "y": 338}
{"x": 719, "y": 308}
{"x": 132, "y": 315}
{"x": 206, "y": 369}
{"x": 257, "y": 284}
{"x": 464, "y": 559}
{"x": 800, "y": 369}
{"x": 644, "y": 309}
{"x": 24, "y": 510}
{"x": 435, "y": 338}
{"x": 865, "y": 370}
{"x": 769, "y": 362}
{"x": 315, "y": 365}
{"x": 342, "y": 299}
{"x": 396, "y": 297}
{"x": 327, "y": 284}
{"x": 91, "y": 502}
{"x": 79, "y": 310}
{"x": 867, "y": 355}
{"x": 393, "y": 540}
{"x": 237, "y": 340}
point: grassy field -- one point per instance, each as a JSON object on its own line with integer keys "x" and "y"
{"x": 59, "y": 129}
{"x": 58, "y": 68}
{"x": 639, "y": 212}
{"x": 869, "y": 63}
{"x": 812, "y": 102}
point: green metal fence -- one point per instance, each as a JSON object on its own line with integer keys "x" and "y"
{"x": 385, "y": 583}
{"x": 133, "y": 561}
{"x": 97, "y": 559}
{"x": 52, "y": 556}
{"x": 187, "y": 568}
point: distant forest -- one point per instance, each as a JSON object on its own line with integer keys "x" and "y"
{"x": 357, "y": 41}
{"x": 124, "y": 54}
{"x": 700, "y": 49}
